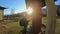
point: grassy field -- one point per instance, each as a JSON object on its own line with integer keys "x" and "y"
{"x": 14, "y": 28}
{"x": 57, "y": 30}
{"x": 10, "y": 28}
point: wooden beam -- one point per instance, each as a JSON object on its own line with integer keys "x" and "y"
{"x": 36, "y": 15}
{"x": 51, "y": 17}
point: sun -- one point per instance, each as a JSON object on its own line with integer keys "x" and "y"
{"x": 29, "y": 10}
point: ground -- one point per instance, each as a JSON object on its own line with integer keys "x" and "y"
{"x": 14, "y": 28}
{"x": 57, "y": 30}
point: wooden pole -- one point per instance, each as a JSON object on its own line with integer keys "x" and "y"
{"x": 51, "y": 17}
{"x": 1, "y": 14}
{"x": 36, "y": 17}
{"x": 36, "y": 5}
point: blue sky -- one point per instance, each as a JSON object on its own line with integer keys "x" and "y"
{"x": 17, "y": 5}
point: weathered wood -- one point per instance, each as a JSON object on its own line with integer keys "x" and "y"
{"x": 36, "y": 16}
{"x": 1, "y": 12}
{"x": 51, "y": 17}
{"x": 29, "y": 1}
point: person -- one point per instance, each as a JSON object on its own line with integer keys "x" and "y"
{"x": 24, "y": 22}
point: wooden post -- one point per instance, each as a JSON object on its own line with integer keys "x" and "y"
{"x": 36, "y": 17}
{"x": 1, "y": 12}
{"x": 51, "y": 17}
{"x": 36, "y": 5}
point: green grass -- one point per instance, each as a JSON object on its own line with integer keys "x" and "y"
{"x": 11, "y": 28}
{"x": 14, "y": 28}
{"x": 57, "y": 29}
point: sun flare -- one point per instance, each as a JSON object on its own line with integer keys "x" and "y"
{"x": 29, "y": 10}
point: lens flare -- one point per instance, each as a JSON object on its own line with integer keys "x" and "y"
{"x": 29, "y": 10}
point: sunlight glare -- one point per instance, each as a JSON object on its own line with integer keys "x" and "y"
{"x": 29, "y": 10}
